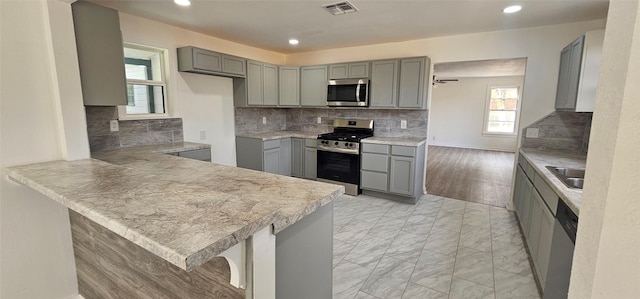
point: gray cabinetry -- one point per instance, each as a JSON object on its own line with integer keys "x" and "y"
{"x": 271, "y": 160}
{"x": 578, "y": 74}
{"x": 384, "y": 84}
{"x": 297, "y": 157}
{"x": 413, "y": 82}
{"x": 100, "y": 54}
{"x": 395, "y": 170}
{"x": 285, "y": 156}
{"x": 261, "y": 85}
{"x": 202, "y": 61}
{"x": 313, "y": 86}
{"x": 533, "y": 199}
{"x": 268, "y": 156}
{"x": 200, "y": 154}
{"x": 310, "y": 159}
{"x": 349, "y": 70}
{"x": 289, "y": 86}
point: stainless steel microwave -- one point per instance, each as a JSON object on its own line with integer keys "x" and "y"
{"x": 348, "y": 93}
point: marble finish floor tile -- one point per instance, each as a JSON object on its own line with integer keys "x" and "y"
{"x": 437, "y": 248}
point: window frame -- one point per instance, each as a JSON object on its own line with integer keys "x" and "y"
{"x": 487, "y": 107}
{"x": 164, "y": 66}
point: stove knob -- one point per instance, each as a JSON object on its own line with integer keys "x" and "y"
{"x": 337, "y": 143}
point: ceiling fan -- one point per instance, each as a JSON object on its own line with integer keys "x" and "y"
{"x": 442, "y": 81}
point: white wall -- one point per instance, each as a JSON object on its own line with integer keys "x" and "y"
{"x": 540, "y": 45}
{"x": 458, "y": 110}
{"x": 41, "y": 119}
{"x": 606, "y": 262}
{"x": 205, "y": 103}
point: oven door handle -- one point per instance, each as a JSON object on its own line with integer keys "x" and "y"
{"x": 338, "y": 150}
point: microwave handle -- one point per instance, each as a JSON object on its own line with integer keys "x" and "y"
{"x": 358, "y": 91}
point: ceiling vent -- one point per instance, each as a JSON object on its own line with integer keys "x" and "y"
{"x": 340, "y": 8}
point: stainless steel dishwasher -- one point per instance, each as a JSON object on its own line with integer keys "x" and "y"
{"x": 562, "y": 245}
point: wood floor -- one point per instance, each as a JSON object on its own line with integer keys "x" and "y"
{"x": 471, "y": 175}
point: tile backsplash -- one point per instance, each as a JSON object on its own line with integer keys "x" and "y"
{"x": 562, "y": 131}
{"x": 386, "y": 121}
{"x": 131, "y": 133}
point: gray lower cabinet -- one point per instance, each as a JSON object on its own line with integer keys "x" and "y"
{"x": 267, "y": 156}
{"x": 297, "y": 157}
{"x": 285, "y": 157}
{"x": 289, "y": 86}
{"x": 395, "y": 170}
{"x": 271, "y": 158}
{"x": 200, "y": 154}
{"x": 203, "y": 61}
{"x": 310, "y": 162}
{"x": 532, "y": 200}
{"x": 313, "y": 86}
{"x": 100, "y": 54}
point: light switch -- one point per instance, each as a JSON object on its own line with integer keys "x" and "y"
{"x": 403, "y": 124}
{"x": 203, "y": 135}
{"x": 264, "y": 120}
{"x": 319, "y": 119}
{"x": 113, "y": 125}
{"x": 533, "y": 132}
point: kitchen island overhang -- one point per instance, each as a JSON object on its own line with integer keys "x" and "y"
{"x": 183, "y": 211}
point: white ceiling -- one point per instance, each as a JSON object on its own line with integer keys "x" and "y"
{"x": 270, "y": 24}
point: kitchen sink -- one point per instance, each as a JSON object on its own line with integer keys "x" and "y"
{"x": 572, "y": 178}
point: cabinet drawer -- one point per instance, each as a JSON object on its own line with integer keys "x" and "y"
{"x": 310, "y": 142}
{"x": 398, "y": 150}
{"x": 549, "y": 197}
{"x": 374, "y": 181}
{"x": 375, "y": 162}
{"x": 201, "y": 154}
{"x": 375, "y": 148}
{"x": 269, "y": 144}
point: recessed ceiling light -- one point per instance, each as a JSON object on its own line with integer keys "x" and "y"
{"x": 512, "y": 9}
{"x": 182, "y": 2}
{"x": 293, "y": 41}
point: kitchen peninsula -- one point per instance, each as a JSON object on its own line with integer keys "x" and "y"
{"x": 146, "y": 224}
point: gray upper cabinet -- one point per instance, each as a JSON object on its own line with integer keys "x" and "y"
{"x": 349, "y": 70}
{"x": 413, "y": 82}
{"x": 578, "y": 74}
{"x": 313, "y": 86}
{"x": 100, "y": 54}
{"x": 260, "y": 88}
{"x": 289, "y": 86}
{"x": 384, "y": 84}
{"x": 202, "y": 61}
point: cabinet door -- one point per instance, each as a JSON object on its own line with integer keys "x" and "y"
{"x": 574, "y": 72}
{"x": 270, "y": 85}
{"x": 289, "y": 82}
{"x": 285, "y": 156}
{"x": 535, "y": 221}
{"x": 401, "y": 175}
{"x": 563, "y": 78}
{"x": 411, "y": 83}
{"x": 233, "y": 65}
{"x": 359, "y": 70}
{"x": 544, "y": 247}
{"x": 313, "y": 86}
{"x": 384, "y": 81}
{"x": 271, "y": 158}
{"x": 523, "y": 214}
{"x": 517, "y": 188}
{"x": 310, "y": 163}
{"x": 207, "y": 60}
{"x": 297, "y": 157}
{"x": 100, "y": 54}
{"x": 339, "y": 71}
{"x": 254, "y": 83}
{"x": 376, "y": 181}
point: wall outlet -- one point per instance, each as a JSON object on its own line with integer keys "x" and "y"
{"x": 533, "y": 132}
{"x": 403, "y": 124}
{"x": 113, "y": 125}
{"x": 319, "y": 119}
{"x": 203, "y": 135}
{"x": 264, "y": 120}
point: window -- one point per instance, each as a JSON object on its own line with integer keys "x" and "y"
{"x": 146, "y": 84}
{"x": 502, "y": 110}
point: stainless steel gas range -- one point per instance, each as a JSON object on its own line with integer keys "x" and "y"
{"x": 339, "y": 153}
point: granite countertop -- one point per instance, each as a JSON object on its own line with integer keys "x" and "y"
{"x": 184, "y": 211}
{"x": 406, "y": 141}
{"x": 539, "y": 158}
{"x": 281, "y": 134}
